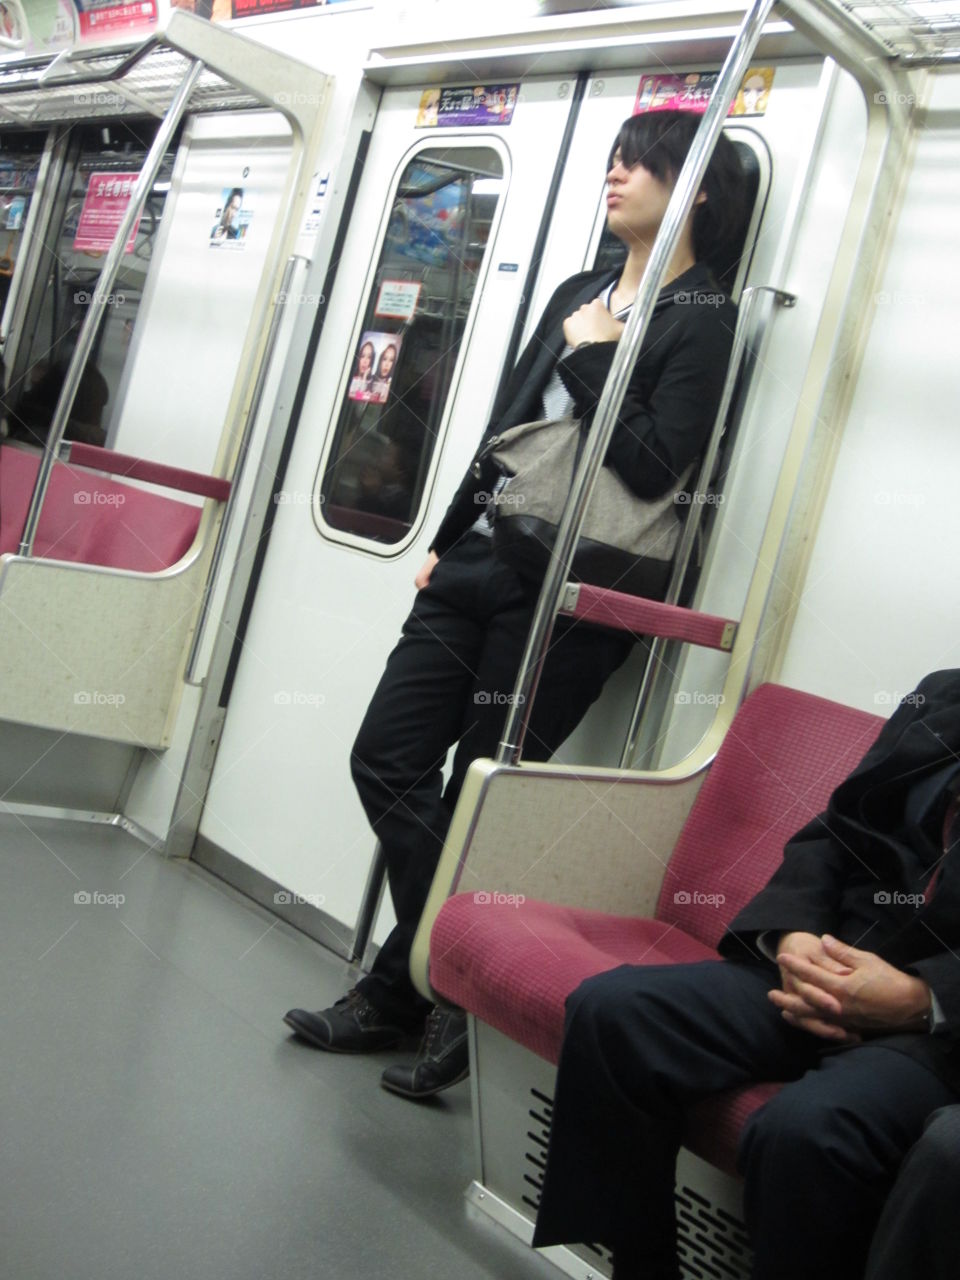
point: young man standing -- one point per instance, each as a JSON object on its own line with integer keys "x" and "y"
{"x": 447, "y": 680}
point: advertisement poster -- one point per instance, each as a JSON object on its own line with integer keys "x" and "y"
{"x": 254, "y": 8}
{"x": 691, "y": 92}
{"x": 373, "y": 367}
{"x": 104, "y": 205}
{"x": 231, "y": 220}
{"x": 98, "y": 17}
{"x": 477, "y": 105}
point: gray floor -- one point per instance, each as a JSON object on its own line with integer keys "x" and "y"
{"x": 157, "y": 1120}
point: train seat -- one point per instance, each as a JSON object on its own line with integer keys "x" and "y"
{"x": 90, "y": 519}
{"x": 511, "y": 962}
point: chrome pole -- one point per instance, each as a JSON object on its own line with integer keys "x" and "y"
{"x": 681, "y": 202}
{"x": 91, "y": 322}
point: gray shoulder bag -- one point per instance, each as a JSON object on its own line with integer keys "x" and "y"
{"x": 626, "y": 542}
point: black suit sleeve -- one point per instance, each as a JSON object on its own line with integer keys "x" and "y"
{"x": 672, "y": 399}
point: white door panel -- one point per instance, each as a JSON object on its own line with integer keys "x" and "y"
{"x": 327, "y": 613}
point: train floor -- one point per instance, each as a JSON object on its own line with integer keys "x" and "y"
{"x": 157, "y": 1119}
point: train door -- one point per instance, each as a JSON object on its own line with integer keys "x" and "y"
{"x": 433, "y": 266}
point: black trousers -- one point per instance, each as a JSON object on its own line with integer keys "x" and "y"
{"x": 917, "y": 1237}
{"x": 643, "y": 1043}
{"x": 449, "y": 680}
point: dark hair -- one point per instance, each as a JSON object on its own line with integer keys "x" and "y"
{"x": 660, "y": 140}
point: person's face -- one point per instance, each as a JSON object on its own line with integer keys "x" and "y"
{"x": 636, "y": 201}
{"x": 365, "y": 360}
{"x": 752, "y": 93}
{"x": 233, "y": 204}
{"x": 387, "y": 361}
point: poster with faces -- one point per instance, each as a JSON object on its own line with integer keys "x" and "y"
{"x": 374, "y": 366}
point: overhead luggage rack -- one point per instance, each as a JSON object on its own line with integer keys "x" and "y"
{"x": 108, "y": 82}
{"x": 917, "y": 33}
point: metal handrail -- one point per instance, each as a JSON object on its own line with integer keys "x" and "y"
{"x": 681, "y": 202}
{"x": 111, "y": 267}
{"x": 681, "y": 559}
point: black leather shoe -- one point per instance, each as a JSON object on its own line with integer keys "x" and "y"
{"x": 352, "y": 1025}
{"x": 443, "y": 1058}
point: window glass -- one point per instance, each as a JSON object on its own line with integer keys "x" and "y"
{"x": 407, "y": 347}
{"x": 100, "y": 165}
{"x": 20, "y": 155}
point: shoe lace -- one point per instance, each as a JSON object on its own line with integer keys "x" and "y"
{"x": 433, "y": 1031}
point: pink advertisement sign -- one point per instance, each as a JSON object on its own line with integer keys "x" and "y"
{"x": 100, "y": 16}
{"x": 108, "y": 195}
{"x": 690, "y": 91}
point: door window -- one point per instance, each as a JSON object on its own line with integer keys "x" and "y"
{"x": 405, "y": 352}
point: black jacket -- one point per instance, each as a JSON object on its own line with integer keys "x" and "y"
{"x": 871, "y": 870}
{"x": 671, "y": 400}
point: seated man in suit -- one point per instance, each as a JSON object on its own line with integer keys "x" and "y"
{"x": 840, "y": 978}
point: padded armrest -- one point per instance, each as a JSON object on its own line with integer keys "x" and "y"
{"x": 592, "y": 838}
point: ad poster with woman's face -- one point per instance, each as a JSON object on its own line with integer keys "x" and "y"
{"x": 373, "y": 367}
{"x": 231, "y": 220}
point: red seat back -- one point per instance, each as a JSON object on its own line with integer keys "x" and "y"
{"x": 781, "y": 758}
{"x": 89, "y": 519}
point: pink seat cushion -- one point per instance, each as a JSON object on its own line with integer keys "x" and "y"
{"x": 513, "y": 966}
{"x": 89, "y": 519}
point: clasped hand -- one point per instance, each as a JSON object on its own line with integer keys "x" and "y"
{"x": 837, "y": 992}
{"x": 591, "y": 323}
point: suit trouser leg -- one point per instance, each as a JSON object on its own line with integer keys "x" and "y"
{"x": 917, "y": 1233}
{"x": 449, "y": 680}
{"x": 819, "y": 1160}
{"x": 641, "y": 1044}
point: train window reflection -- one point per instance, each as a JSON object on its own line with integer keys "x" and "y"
{"x": 100, "y": 163}
{"x": 406, "y": 350}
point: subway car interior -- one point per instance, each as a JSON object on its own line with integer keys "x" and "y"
{"x": 265, "y": 271}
